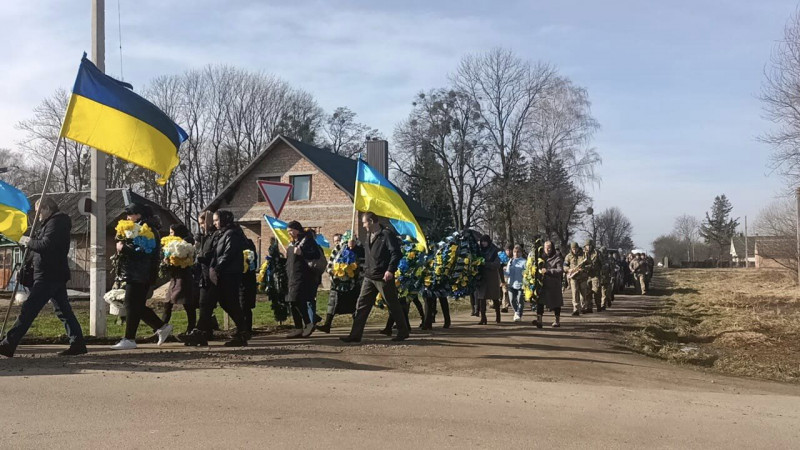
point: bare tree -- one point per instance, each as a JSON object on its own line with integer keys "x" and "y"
{"x": 781, "y": 98}
{"x": 507, "y": 90}
{"x": 687, "y": 228}
{"x": 343, "y": 135}
{"x": 445, "y": 124}
{"x": 614, "y": 229}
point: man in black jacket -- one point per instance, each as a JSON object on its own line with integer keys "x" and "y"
{"x": 383, "y": 254}
{"x": 50, "y": 248}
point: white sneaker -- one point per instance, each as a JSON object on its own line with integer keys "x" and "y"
{"x": 308, "y": 329}
{"x": 517, "y": 317}
{"x": 163, "y": 333}
{"x": 124, "y": 344}
{"x": 296, "y": 333}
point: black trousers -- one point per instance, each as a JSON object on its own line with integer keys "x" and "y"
{"x": 430, "y": 313}
{"x": 474, "y": 303}
{"x": 366, "y": 300}
{"x": 137, "y": 310}
{"x": 301, "y": 314}
{"x": 41, "y": 293}
{"x": 191, "y": 315}
{"x": 226, "y": 294}
{"x": 540, "y": 311}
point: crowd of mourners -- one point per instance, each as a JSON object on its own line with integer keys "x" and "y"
{"x": 219, "y": 267}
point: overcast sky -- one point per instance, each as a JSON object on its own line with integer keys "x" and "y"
{"x": 673, "y": 84}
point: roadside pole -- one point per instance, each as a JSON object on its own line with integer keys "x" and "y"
{"x": 97, "y": 268}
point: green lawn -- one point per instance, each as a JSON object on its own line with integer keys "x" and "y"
{"x": 47, "y": 324}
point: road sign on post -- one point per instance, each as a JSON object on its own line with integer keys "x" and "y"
{"x": 276, "y": 194}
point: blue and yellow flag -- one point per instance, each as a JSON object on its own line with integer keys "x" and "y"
{"x": 376, "y": 194}
{"x": 106, "y": 114}
{"x": 14, "y": 207}
{"x": 281, "y": 231}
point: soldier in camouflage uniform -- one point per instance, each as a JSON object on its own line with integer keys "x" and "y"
{"x": 592, "y": 265}
{"x": 577, "y": 280}
{"x": 606, "y": 272}
{"x": 639, "y": 268}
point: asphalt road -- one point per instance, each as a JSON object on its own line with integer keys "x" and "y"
{"x": 495, "y": 386}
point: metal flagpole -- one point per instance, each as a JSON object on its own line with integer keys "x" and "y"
{"x": 32, "y": 230}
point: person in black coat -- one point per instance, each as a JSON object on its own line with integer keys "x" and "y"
{"x": 139, "y": 268}
{"x": 181, "y": 289}
{"x": 303, "y": 281}
{"x": 222, "y": 259}
{"x": 383, "y": 254}
{"x": 247, "y": 291}
{"x": 50, "y": 248}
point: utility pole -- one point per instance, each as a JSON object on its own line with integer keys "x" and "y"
{"x": 97, "y": 268}
{"x": 746, "y": 252}
{"x": 797, "y": 195}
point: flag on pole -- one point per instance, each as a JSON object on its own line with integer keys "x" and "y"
{"x": 106, "y": 114}
{"x": 281, "y": 231}
{"x": 376, "y": 194}
{"x": 14, "y": 207}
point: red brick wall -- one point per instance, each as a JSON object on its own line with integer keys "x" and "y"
{"x": 329, "y": 209}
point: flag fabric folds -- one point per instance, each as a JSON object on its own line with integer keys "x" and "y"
{"x": 14, "y": 207}
{"x": 281, "y": 231}
{"x": 106, "y": 114}
{"x": 376, "y": 194}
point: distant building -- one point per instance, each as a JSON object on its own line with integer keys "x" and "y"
{"x": 9, "y": 256}
{"x": 765, "y": 251}
{"x": 322, "y": 195}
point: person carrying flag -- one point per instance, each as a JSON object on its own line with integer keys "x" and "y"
{"x": 51, "y": 272}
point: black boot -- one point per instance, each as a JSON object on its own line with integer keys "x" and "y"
{"x": 239, "y": 340}
{"x": 7, "y": 349}
{"x": 326, "y": 327}
{"x": 196, "y": 338}
{"x": 76, "y": 348}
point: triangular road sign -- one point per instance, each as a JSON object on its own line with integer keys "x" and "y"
{"x": 276, "y": 194}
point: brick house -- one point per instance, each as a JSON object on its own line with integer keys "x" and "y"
{"x": 322, "y": 194}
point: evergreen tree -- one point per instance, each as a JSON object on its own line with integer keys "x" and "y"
{"x": 428, "y": 186}
{"x": 717, "y": 229}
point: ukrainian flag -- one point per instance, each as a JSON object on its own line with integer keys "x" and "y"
{"x": 376, "y": 194}
{"x": 106, "y": 114}
{"x": 14, "y": 209}
{"x": 281, "y": 231}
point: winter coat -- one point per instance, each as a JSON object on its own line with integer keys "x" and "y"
{"x": 383, "y": 254}
{"x": 228, "y": 247}
{"x": 50, "y": 249}
{"x": 552, "y": 295}
{"x": 204, "y": 252}
{"x": 303, "y": 282}
{"x": 137, "y": 266}
{"x": 181, "y": 287}
{"x": 491, "y": 275}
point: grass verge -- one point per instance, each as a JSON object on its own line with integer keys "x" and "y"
{"x": 734, "y": 321}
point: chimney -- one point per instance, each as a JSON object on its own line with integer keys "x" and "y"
{"x": 378, "y": 155}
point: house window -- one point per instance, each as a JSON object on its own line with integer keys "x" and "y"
{"x": 301, "y": 187}
{"x": 272, "y": 179}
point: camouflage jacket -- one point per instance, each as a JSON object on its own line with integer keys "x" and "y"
{"x": 607, "y": 269}
{"x": 572, "y": 262}
{"x": 593, "y": 264}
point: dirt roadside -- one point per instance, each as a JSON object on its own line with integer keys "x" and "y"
{"x": 571, "y": 387}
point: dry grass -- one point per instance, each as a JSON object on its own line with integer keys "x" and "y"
{"x": 740, "y": 322}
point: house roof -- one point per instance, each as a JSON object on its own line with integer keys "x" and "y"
{"x": 116, "y": 200}
{"x": 737, "y": 249}
{"x": 776, "y": 247}
{"x": 340, "y": 169}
